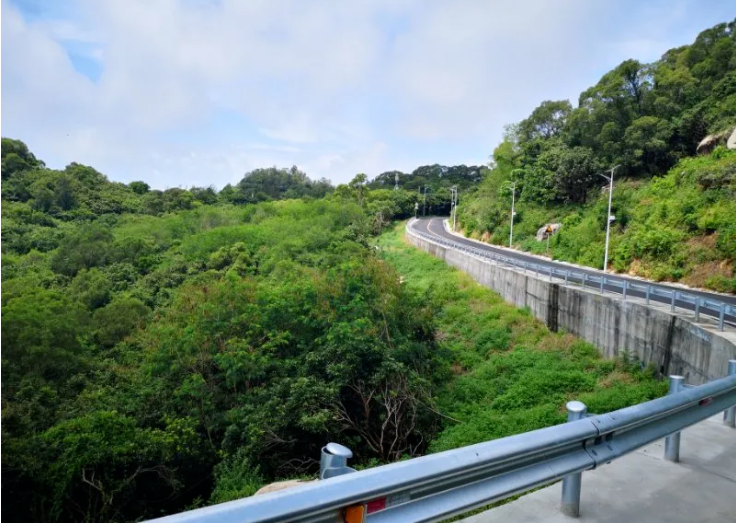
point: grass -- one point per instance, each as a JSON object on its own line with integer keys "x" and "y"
{"x": 510, "y": 373}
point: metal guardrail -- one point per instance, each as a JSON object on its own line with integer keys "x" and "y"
{"x": 442, "y": 485}
{"x": 677, "y": 299}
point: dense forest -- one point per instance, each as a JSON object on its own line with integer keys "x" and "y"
{"x": 163, "y": 350}
{"x": 674, "y": 215}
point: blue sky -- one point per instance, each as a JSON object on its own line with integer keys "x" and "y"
{"x": 198, "y": 92}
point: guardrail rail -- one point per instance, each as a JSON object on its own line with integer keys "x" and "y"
{"x": 442, "y": 485}
{"x": 720, "y": 311}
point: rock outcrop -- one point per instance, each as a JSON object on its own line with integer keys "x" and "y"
{"x": 709, "y": 143}
{"x": 550, "y": 228}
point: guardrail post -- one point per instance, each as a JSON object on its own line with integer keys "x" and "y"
{"x": 721, "y": 317}
{"x": 624, "y": 290}
{"x": 583, "y": 281}
{"x": 334, "y": 460}
{"x": 601, "y": 284}
{"x": 696, "y": 309}
{"x": 570, "y": 503}
{"x": 673, "y": 442}
{"x": 647, "y": 294}
{"x": 550, "y": 273}
{"x": 673, "y": 301}
{"x": 566, "y": 283}
{"x": 730, "y": 412}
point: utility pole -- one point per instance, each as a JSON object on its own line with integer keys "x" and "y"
{"x": 424, "y": 201}
{"x": 609, "y": 217}
{"x": 513, "y": 186}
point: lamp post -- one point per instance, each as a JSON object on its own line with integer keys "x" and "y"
{"x": 454, "y": 204}
{"x": 513, "y": 186}
{"x": 609, "y": 217}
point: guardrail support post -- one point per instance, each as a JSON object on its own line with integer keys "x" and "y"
{"x": 730, "y": 412}
{"x": 673, "y": 301}
{"x": 647, "y": 295}
{"x": 696, "y": 309}
{"x": 566, "y": 283}
{"x": 601, "y": 285}
{"x": 673, "y": 442}
{"x": 624, "y": 290}
{"x": 721, "y": 317}
{"x": 550, "y": 273}
{"x": 334, "y": 460}
{"x": 583, "y": 281}
{"x": 570, "y": 503}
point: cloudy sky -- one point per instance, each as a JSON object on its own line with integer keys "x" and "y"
{"x": 198, "y": 92}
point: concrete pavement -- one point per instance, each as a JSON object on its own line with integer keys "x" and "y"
{"x": 643, "y": 486}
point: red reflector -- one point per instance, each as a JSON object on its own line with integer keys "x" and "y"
{"x": 706, "y": 401}
{"x": 375, "y": 505}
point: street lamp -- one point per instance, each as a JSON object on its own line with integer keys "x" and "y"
{"x": 513, "y": 186}
{"x": 454, "y": 204}
{"x": 609, "y": 218}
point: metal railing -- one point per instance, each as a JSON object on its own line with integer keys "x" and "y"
{"x": 720, "y": 311}
{"x": 442, "y": 485}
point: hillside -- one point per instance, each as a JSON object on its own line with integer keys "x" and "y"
{"x": 162, "y": 357}
{"x": 674, "y": 213}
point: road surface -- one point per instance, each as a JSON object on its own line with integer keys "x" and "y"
{"x": 434, "y": 226}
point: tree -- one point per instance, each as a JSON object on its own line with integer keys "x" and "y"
{"x": 91, "y": 246}
{"x": 358, "y": 186}
{"x": 17, "y": 158}
{"x": 576, "y": 174}
{"x": 546, "y": 121}
{"x": 647, "y": 141}
{"x": 139, "y": 187}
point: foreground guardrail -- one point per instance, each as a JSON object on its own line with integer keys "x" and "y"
{"x": 677, "y": 299}
{"x": 439, "y": 486}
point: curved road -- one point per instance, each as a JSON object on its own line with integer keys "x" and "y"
{"x": 434, "y": 226}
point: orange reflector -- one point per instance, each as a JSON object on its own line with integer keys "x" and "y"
{"x": 375, "y": 505}
{"x": 354, "y": 514}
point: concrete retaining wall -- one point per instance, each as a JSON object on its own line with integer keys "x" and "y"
{"x": 651, "y": 333}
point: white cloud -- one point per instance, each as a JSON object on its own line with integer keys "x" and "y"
{"x": 334, "y": 87}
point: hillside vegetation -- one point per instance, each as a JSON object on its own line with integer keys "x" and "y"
{"x": 509, "y": 374}
{"x": 163, "y": 350}
{"x": 674, "y": 213}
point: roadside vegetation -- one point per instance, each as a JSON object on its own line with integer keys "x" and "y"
{"x": 510, "y": 374}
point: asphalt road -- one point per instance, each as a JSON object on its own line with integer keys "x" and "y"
{"x": 434, "y": 226}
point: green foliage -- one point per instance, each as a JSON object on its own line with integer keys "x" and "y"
{"x": 648, "y": 119}
{"x": 139, "y": 350}
{"x": 275, "y": 184}
{"x": 235, "y": 478}
{"x": 509, "y": 374}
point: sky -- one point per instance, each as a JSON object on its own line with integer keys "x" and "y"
{"x": 183, "y": 93}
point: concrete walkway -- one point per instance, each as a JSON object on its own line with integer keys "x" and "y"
{"x": 642, "y": 486}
